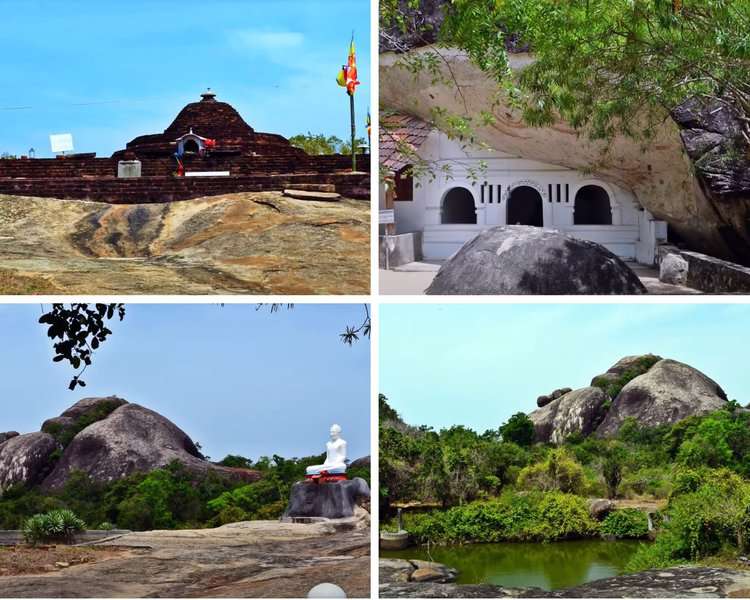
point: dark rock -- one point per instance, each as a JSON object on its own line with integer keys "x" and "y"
{"x": 675, "y": 582}
{"x": 520, "y": 259}
{"x": 624, "y": 364}
{"x": 600, "y": 508}
{"x": 26, "y": 459}
{"x": 6, "y": 435}
{"x": 133, "y": 439}
{"x": 578, "y": 411}
{"x": 331, "y": 500}
{"x": 399, "y": 570}
{"x": 669, "y": 392}
{"x": 545, "y": 400}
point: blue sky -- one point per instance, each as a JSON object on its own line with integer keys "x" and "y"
{"x": 109, "y": 71}
{"x": 476, "y": 365}
{"x": 236, "y": 380}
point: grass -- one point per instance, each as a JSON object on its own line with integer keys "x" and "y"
{"x": 13, "y": 283}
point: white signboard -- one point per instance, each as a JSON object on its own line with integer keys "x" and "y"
{"x": 387, "y": 217}
{"x": 61, "y": 142}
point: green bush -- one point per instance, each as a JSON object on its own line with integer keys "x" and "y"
{"x": 65, "y": 434}
{"x": 559, "y": 472}
{"x": 231, "y": 514}
{"x": 515, "y": 517}
{"x": 625, "y": 523}
{"x": 54, "y": 526}
{"x": 248, "y": 498}
{"x": 707, "y": 513}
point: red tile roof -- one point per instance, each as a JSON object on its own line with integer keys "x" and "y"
{"x": 397, "y": 129}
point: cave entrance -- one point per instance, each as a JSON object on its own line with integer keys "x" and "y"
{"x": 525, "y": 207}
{"x": 458, "y": 207}
{"x": 191, "y": 147}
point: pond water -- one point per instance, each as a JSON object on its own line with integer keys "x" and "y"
{"x": 548, "y": 566}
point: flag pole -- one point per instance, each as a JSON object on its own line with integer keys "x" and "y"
{"x": 354, "y": 151}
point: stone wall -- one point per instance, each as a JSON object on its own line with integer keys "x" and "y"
{"x": 95, "y": 178}
{"x": 702, "y": 272}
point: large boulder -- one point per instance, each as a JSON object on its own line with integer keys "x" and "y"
{"x": 133, "y": 439}
{"x": 546, "y": 399}
{"x": 519, "y": 259}
{"x": 579, "y": 411}
{"x": 668, "y": 392}
{"x": 330, "y": 500}
{"x": 26, "y": 459}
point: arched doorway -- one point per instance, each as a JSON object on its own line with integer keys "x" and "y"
{"x": 525, "y": 207}
{"x": 458, "y": 207}
{"x": 191, "y": 146}
{"x": 592, "y": 206}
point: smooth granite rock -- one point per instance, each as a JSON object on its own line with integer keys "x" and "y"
{"x": 524, "y": 260}
{"x": 668, "y": 392}
{"x": 25, "y": 459}
{"x": 579, "y": 411}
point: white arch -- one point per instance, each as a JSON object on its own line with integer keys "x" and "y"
{"x": 615, "y": 206}
{"x": 525, "y": 183}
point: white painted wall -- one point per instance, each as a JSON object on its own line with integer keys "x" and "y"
{"x": 633, "y": 234}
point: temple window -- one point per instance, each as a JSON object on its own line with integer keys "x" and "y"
{"x": 525, "y": 207}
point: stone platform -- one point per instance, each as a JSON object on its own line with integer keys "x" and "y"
{"x": 330, "y": 500}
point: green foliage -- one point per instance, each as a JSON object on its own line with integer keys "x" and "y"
{"x": 320, "y": 143}
{"x": 559, "y": 472}
{"x": 625, "y": 523}
{"x": 519, "y": 429}
{"x": 612, "y": 387}
{"x": 707, "y": 513}
{"x": 236, "y": 461}
{"x": 537, "y": 516}
{"x": 612, "y": 467}
{"x": 54, "y": 526}
{"x": 385, "y": 412}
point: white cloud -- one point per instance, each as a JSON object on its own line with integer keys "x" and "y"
{"x": 250, "y": 39}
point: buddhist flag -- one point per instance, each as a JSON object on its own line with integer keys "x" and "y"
{"x": 347, "y": 76}
{"x": 369, "y": 124}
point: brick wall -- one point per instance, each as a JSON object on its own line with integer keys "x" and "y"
{"x": 168, "y": 189}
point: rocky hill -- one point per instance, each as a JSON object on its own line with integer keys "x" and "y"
{"x": 694, "y": 175}
{"x": 651, "y": 389}
{"x": 107, "y": 438}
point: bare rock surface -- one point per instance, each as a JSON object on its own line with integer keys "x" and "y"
{"x": 668, "y": 392}
{"x": 673, "y": 269}
{"x": 520, "y": 259}
{"x": 25, "y": 459}
{"x": 258, "y": 243}
{"x": 250, "y": 559}
{"x": 675, "y": 582}
{"x": 579, "y": 411}
{"x": 6, "y": 435}
{"x": 129, "y": 440}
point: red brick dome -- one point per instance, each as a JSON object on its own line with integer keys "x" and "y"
{"x": 211, "y": 119}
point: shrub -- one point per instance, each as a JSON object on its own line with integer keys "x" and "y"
{"x": 248, "y": 498}
{"x": 626, "y": 523}
{"x": 231, "y": 514}
{"x": 537, "y": 516}
{"x": 65, "y": 434}
{"x": 612, "y": 387}
{"x": 57, "y": 525}
{"x": 707, "y": 512}
{"x": 519, "y": 429}
{"x": 558, "y": 472}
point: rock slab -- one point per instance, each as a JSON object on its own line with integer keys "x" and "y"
{"x": 579, "y": 411}
{"x": 330, "y": 500}
{"x": 524, "y": 260}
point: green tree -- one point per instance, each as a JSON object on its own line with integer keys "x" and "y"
{"x": 612, "y": 467}
{"x": 519, "y": 429}
{"x": 316, "y": 143}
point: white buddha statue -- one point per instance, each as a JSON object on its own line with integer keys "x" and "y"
{"x": 335, "y": 463}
